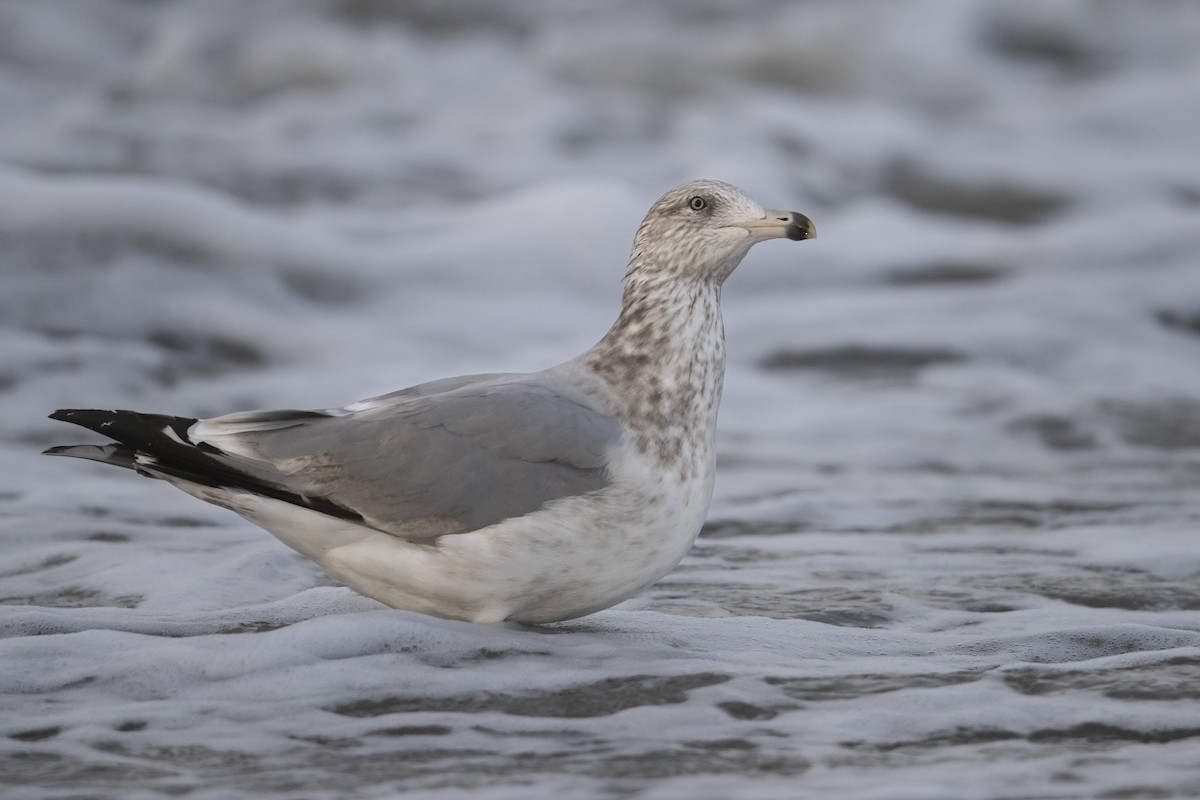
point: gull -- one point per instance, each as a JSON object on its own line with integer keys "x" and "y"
{"x": 523, "y": 497}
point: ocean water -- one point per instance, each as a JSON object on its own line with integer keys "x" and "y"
{"x": 954, "y": 550}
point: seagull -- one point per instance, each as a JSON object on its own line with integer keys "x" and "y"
{"x": 521, "y": 497}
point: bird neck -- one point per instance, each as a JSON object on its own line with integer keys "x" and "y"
{"x": 668, "y": 344}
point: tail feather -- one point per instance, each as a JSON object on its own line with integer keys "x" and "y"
{"x": 158, "y": 446}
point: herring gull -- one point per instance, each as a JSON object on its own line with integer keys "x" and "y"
{"x": 531, "y": 497}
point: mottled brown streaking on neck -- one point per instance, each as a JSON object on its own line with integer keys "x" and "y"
{"x": 666, "y": 351}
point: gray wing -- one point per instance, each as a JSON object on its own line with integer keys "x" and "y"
{"x": 422, "y": 463}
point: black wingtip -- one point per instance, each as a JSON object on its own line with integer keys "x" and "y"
{"x": 115, "y": 454}
{"x": 158, "y": 446}
{"x": 93, "y": 419}
{"x": 133, "y": 428}
{"x": 87, "y": 417}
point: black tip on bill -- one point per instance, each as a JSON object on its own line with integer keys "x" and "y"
{"x": 801, "y": 228}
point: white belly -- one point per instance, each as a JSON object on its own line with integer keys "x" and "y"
{"x": 570, "y": 558}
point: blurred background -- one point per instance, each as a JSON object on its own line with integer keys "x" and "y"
{"x": 185, "y": 181}
{"x": 973, "y": 404}
{"x": 193, "y": 191}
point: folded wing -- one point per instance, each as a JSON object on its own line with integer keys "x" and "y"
{"x": 443, "y": 458}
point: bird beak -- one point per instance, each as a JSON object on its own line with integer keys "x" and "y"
{"x": 781, "y": 225}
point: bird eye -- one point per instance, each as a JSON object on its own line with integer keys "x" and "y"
{"x": 698, "y": 203}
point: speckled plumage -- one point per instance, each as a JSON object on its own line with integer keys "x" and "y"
{"x": 529, "y": 497}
